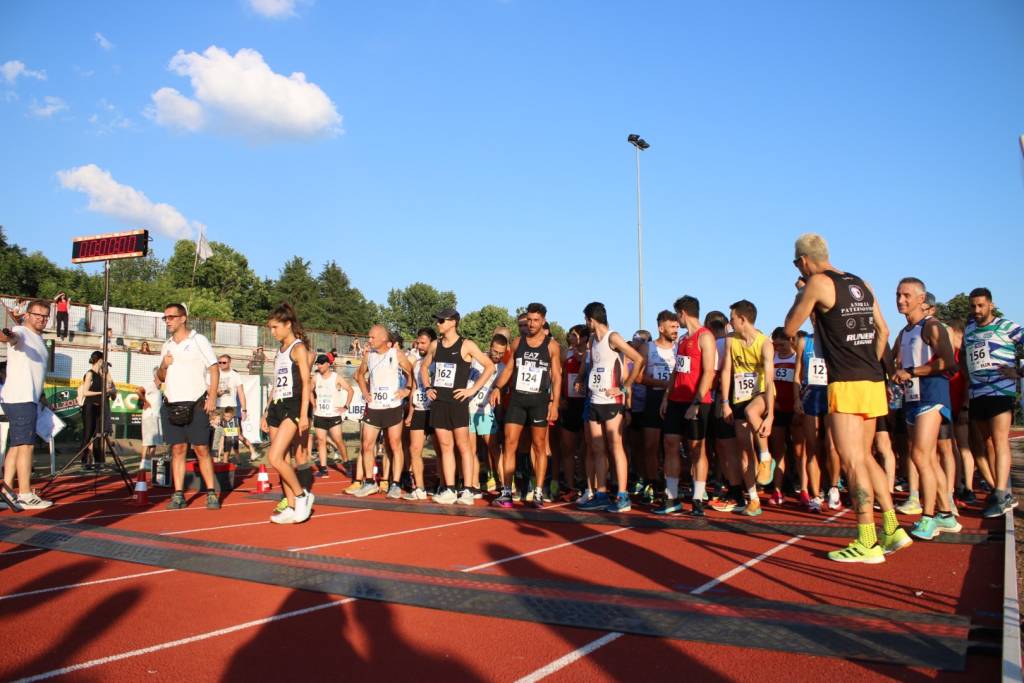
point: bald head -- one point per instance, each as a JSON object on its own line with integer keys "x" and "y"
{"x": 379, "y": 337}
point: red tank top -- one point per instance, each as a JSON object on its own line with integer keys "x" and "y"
{"x": 785, "y": 371}
{"x": 571, "y": 371}
{"x": 688, "y": 369}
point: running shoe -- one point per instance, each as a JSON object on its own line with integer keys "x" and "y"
{"x": 947, "y": 525}
{"x": 621, "y": 503}
{"x": 727, "y": 504}
{"x": 925, "y": 529}
{"x": 395, "y": 491}
{"x": 668, "y": 506}
{"x": 30, "y": 501}
{"x": 212, "y": 501}
{"x": 999, "y": 506}
{"x": 833, "y": 499}
{"x": 857, "y": 552}
{"x": 477, "y": 493}
{"x": 446, "y": 497}
{"x": 698, "y": 508}
{"x": 492, "y": 485}
{"x": 177, "y": 501}
{"x": 911, "y": 506}
{"x": 367, "y": 489}
{"x": 753, "y": 509}
{"x": 815, "y": 504}
{"x": 805, "y": 499}
{"x": 765, "y": 471}
{"x": 303, "y": 506}
{"x": 323, "y": 473}
{"x": 638, "y": 488}
{"x": 776, "y": 498}
{"x": 504, "y": 500}
{"x": 353, "y": 487}
{"x": 281, "y": 505}
{"x": 967, "y": 497}
{"x": 383, "y": 487}
{"x": 538, "y": 499}
{"x": 584, "y": 498}
{"x": 286, "y": 516}
{"x": 415, "y": 494}
{"x": 897, "y": 540}
{"x": 529, "y": 496}
{"x": 466, "y": 497}
{"x": 598, "y": 501}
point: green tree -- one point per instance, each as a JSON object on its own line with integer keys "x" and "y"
{"x": 298, "y": 287}
{"x": 25, "y": 274}
{"x": 227, "y": 273}
{"x": 479, "y": 325}
{"x": 414, "y": 307}
{"x": 345, "y": 308}
{"x": 957, "y": 308}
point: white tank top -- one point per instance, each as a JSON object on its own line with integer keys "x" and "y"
{"x": 327, "y": 394}
{"x": 605, "y": 371}
{"x": 285, "y": 375}
{"x": 660, "y": 362}
{"x": 420, "y": 400}
{"x": 383, "y": 379}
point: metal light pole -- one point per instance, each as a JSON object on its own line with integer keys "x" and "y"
{"x": 639, "y": 144}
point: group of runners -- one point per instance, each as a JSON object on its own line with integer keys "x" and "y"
{"x": 608, "y": 422}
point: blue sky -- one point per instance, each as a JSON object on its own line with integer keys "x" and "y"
{"x": 480, "y": 145}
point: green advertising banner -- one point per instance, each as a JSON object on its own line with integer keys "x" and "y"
{"x": 125, "y": 410}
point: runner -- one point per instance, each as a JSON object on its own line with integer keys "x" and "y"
{"x": 535, "y": 374}
{"x": 328, "y": 410}
{"x": 609, "y": 396}
{"x": 723, "y": 443}
{"x": 964, "y": 489}
{"x": 483, "y": 417}
{"x": 287, "y": 416}
{"x": 659, "y": 361}
{"x": 417, "y": 419}
{"x": 924, "y": 354}
{"x": 812, "y": 411}
{"x": 633, "y": 426}
{"x": 785, "y": 429}
{"x": 379, "y": 380}
{"x": 570, "y": 413}
{"x": 451, "y": 356}
{"x": 853, "y": 335}
{"x": 747, "y": 364}
{"x": 686, "y": 407}
{"x": 991, "y": 345}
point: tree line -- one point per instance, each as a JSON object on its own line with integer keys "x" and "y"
{"x": 227, "y": 288}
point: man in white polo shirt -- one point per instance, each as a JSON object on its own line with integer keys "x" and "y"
{"x": 188, "y": 369}
{"x": 229, "y": 395}
{"x": 22, "y": 395}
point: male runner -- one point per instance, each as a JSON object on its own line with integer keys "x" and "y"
{"x": 748, "y": 363}
{"x": 451, "y": 357}
{"x": 536, "y": 376}
{"x": 660, "y": 361}
{"x": 990, "y": 347}
{"x": 924, "y": 356}
{"x": 784, "y": 429}
{"x": 570, "y": 412}
{"x": 609, "y": 396}
{"x": 483, "y": 417}
{"x": 417, "y": 420}
{"x": 328, "y": 409}
{"x": 686, "y": 407}
{"x": 853, "y": 336}
{"x": 378, "y": 379}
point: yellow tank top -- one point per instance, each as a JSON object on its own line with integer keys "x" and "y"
{"x": 747, "y": 364}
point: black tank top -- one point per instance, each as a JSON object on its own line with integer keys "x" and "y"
{"x": 847, "y": 332}
{"x": 95, "y": 384}
{"x": 532, "y": 376}
{"x": 451, "y": 372}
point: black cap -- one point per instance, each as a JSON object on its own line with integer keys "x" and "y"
{"x": 322, "y": 359}
{"x": 447, "y": 314}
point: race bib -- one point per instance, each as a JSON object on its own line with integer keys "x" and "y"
{"x": 444, "y": 375}
{"x": 682, "y": 365}
{"x": 978, "y": 357}
{"x": 912, "y": 390}
{"x": 661, "y": 373}
{"x": 528, "y": 379}
{"x": 596, "y": 380}
{"x": 283, "y": 384}
{"x": 573, "y": 391}
{"x": 419, "y": 399}
{"x": 379, "y": 395}
{"x": 324, "y": 406}
{"x": 230, "y": 431}
{"x": 744, "y": 384}
{"x": 784, "y": 374}
{"x": 817, "y": 372}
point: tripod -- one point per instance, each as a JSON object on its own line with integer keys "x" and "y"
{"x": 103, "y": 441}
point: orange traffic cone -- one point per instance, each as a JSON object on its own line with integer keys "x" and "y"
{"x": 141, "y": 497}
{"x": 263, "y": 480}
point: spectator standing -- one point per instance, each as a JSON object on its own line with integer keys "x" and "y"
{"x": 151, "y": 397}
{"x": 91, "y": 389}
{"x": 62, "y": 304}
{"x": 21, "y": 397}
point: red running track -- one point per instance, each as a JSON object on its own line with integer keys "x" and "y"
{"x": 93, "y": 619}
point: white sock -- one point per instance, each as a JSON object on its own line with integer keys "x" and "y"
{"x": 752, "y": 492}
{"x": 765, "y": 456}
{"x": 672, "y": 487}
{"x": 698, "y": 490}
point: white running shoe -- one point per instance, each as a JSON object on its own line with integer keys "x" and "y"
{"x": 286, "y": 516}
{"x": 30, "y": 501}
{"x": 466, "y": 497}
{"x": 446, "y": 497}
{"x": 833, "y": 499}
{"x": 395, "y": 491}
{"x": 815, "y": 504}
{"x": 415, "y": 494}
{"x": 367, "y": 489}
{"x": 303, "y": 506}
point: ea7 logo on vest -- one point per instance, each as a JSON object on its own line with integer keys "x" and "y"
{"x": 531, "y": 356}
{"x": 857, "y": 293}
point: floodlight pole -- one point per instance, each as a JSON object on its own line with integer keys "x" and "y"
{"x": 639, "y": 144}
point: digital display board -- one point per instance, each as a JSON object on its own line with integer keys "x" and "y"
{"x": 115, "y": 245}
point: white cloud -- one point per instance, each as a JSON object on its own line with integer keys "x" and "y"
{"x": 112, "y": 120}
{"x": 102, "y": 40}
{"x": 125, "y": 203}
{"x": 273, "y": 9}
{"x": 50, "y": 106}
{"x": 243, "y": 95}
{"x": 13, "y": 68}
{"x": 171, "y": 108}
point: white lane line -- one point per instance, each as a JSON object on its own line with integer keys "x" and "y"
{"x": 262, "y": 522}
{"x": 19, "y": 552}
{"x": 612, "y": 636}
{"x": 95, "y": 582}
{"x": 182, "y": 641}
{"x": 389, "y": 535}
{"x": 485, "y": 565}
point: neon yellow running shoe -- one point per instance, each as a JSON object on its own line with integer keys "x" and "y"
{"x": 856, "y": 552}
{"x": 897, "y": 540}
{"x": 281, "y": 505}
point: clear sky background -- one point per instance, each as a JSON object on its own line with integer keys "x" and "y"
{"x": 480, "y": 145}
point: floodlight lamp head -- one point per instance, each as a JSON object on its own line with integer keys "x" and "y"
{"x": 633, "y": 139}
{"x": 642, "y": 144}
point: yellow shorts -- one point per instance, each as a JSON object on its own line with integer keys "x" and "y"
{"x": 863, "y": 398}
